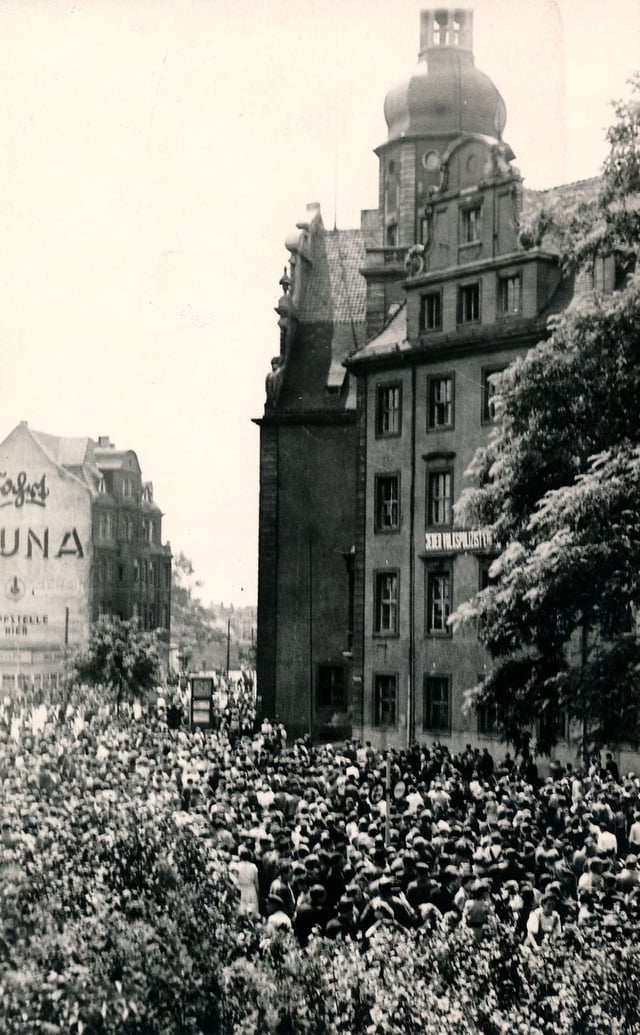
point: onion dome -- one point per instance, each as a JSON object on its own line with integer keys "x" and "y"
{"x": 447, "y": 94}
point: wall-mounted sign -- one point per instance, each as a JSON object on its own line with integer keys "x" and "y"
{"x": 467, "y": 539}
{"x": 16, "y": 492}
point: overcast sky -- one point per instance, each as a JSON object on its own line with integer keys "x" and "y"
{"x": 153, "y": 156}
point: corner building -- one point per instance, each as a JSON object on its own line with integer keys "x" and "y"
{"x": 451, "y": 298}
{"x": 80, "y": 536}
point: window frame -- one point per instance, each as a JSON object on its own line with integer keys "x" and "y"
{"x": 433, "y": 473}
{"x": 433, "y": 379}
{"x": 504, "y": 279}
{"x": 332, "y": 700}
{"x": 470, "y": 225}
{"x": 437, "y": 569}
{"x": 379, "y": 480}
{"x": 434, "y": 296}
{"x": 382, "y": 387}
{"x": 377, "y": 699}
{"x": 488, "y": 719}
{"x": 461, "y": 319}
{"x": 429, "y": 706}
{"x": 379, "y": 630}
{"x": 485, "y": 397}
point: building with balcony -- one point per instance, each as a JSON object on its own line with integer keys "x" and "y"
{"x": 81, "y": 536}
{"x": 451, "y": 297}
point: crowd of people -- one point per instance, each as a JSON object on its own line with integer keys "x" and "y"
{"x": 340, "y": 839}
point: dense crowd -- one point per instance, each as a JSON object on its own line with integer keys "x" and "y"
{"x": 340, "y": 839}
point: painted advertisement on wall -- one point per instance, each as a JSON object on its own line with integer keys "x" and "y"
{"x": 45, "y": 555}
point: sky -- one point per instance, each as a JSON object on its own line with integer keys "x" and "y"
{"x": 155, "y": 154}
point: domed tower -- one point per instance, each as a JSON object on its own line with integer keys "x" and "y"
{"x": 445, "y": 125}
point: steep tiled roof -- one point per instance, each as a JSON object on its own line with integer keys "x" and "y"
{"x": 335, "y": 290}
{"x": 567, "y": 196}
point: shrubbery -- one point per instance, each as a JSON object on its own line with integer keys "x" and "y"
{"x": 118, "y": 919}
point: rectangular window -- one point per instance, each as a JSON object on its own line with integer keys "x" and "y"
{"x": 484, "y": 567}
{"x": 331, "y": 686}
{"x": 469, "y": 303}
{"x": 440, "y": 402}
{"x": 388, "y": 409}
{"x": 136, "y": 570}
{"x": 470, "y": 225}
{"x": 488, "y": 721}
{"x": 387, "y": 511}
{"x": 490, "y": 378}
{"x": 437, "y": 703}
{"x": 386, "y": 603}
{"x": 603, "y": 274}
{"x": 509, "y": 295}
{"x": 439, "y": 498}
{"x": 385, "y": 699}
{"x": 438, "y": 600}
{"x": 431, "y": 311}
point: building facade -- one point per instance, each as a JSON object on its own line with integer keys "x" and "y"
{"x": 80, "y": 537}
{"x": 452, "y": 297}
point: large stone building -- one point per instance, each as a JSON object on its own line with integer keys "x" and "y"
{"x": 80, "y": 537}
{"x": 446, "y": 296}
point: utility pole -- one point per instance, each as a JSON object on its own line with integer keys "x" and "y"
{"x": 228, "y": 644}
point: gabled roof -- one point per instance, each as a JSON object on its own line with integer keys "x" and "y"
{"x": 68, "y": 452}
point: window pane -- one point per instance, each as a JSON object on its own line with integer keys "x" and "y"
{"x": 438, "y": 601}
{"x": 441, "y": 402}
{"x": 489, "y": 393}
{"x": 470, "y": 225}
{"x": 437, "y": 703}
{"x": 386, "y": 603}
{"x": 331, "y": 685}
{"x": 439, "y": 498}
{"x": 385, "y": 700}
{"x": 509, "y": 294}
{"x": 431, "y": 312}
{"x": 469, "y": 303}
{"x": 388, "y": 410}
{"x": 387, "y": 502}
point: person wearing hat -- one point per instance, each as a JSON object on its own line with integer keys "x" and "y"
{"x": 444, "y": 895}
{"x": 345, "y": 923}
{"x": 277, "y": 917}
{"x": 310, "y": 913}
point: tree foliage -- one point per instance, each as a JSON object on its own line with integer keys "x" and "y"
{"x": 119, "y": 656}
{"x": 559, "y": 483}
{"x": 192, "y": 623}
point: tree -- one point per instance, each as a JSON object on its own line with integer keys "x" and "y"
{"x": 192, "y": 624}
{"x": 559, "y": 483}
{"x": 120, "y": 657}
